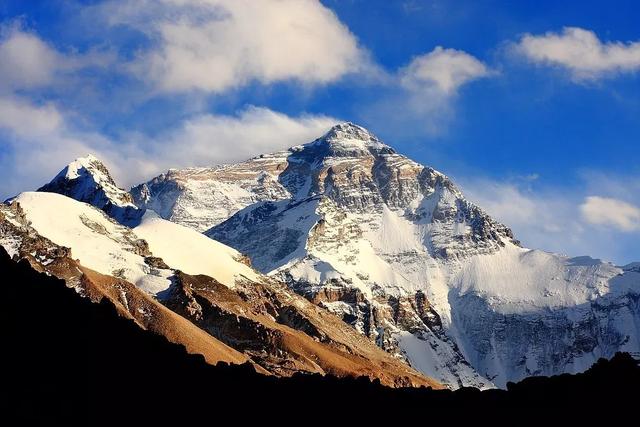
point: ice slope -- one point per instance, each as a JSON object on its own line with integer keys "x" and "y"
{"x": 192, "y": 252}
{"x": 522, "y": 312}
{"x": 96, "y": 240}
{"x": 518, "y": 280}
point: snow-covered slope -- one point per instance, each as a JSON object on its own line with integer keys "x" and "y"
{"x": 96, "y": 240}
{"x": 192, "y": 252}
{"x": 88, "y": 180}
{"x": 395, "y": 249}
{"x": 110, "y": 248}
{"x": 520, "y": 312}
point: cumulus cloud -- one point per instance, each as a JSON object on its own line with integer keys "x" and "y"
{"x": 581, "y": 52}
{"x": 39, "y": 136}
{"x": 611, "y": 212}
{"x": 216, "y": 45}
{"x": 447, "y": 69}
{"x": 420, "y": 97}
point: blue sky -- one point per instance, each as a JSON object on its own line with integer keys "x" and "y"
{"x": 532, "y": 107}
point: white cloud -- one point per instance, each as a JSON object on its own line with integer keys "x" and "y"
{"x": 447, "y": 69}
{"x": 25, "y": 60}
{"x": 29, "y": 63}
{"x": 208, "y": 139}
{"x": 611, "y": 212}
{"x": 27, "y": 120}
{"x": 420, "y": 97}
{"x": 36, "y": 141}
{"x": 581, "y": 52}
{"x": 216, "y": 45}
{"x": 539, "y": 219}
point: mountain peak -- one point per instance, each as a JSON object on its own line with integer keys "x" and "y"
{"x": 348, "y": 134}
{"x": 87, "y": 165}
{"x": 88, "y": 180}
{"x": 349, "y": 130}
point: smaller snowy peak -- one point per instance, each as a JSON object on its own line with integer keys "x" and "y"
{"x": 85, "y": 168}
{"x": 88, "y": 180}
{"x": 89, "y": 163}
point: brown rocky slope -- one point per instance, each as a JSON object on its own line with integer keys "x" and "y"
{"x": 276, "y": 330}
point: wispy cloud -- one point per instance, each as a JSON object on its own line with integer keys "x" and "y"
{"x": 563, "y": 220}
{"x": 611, "y": 212}
{"x": 28, "y": 62}
{"x": 36, "y": 141}
{"x": 581, "y": 52}
{"x": 209, "y": 139}
{"x": 419, "y": 98}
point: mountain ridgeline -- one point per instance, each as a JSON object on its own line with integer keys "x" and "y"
{"x": 340, "y": 257}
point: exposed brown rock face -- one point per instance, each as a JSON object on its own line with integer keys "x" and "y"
{"x": 284, "y": 333}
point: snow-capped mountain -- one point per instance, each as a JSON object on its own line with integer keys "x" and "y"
{"x": 195, "y": 291}
{"x": 88, "y": 180}
{"x": 395, "y": 249}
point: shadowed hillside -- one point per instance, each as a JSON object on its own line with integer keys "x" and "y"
{"x": 69, "y": 359}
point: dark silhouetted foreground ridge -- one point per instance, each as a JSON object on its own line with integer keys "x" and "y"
{"x": 71, "y": 360}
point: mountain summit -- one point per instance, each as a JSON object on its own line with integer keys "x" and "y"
{"x": 395, "y": 249}
{"x": 347, "y": 134}
{"x": 88, "y": 180}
